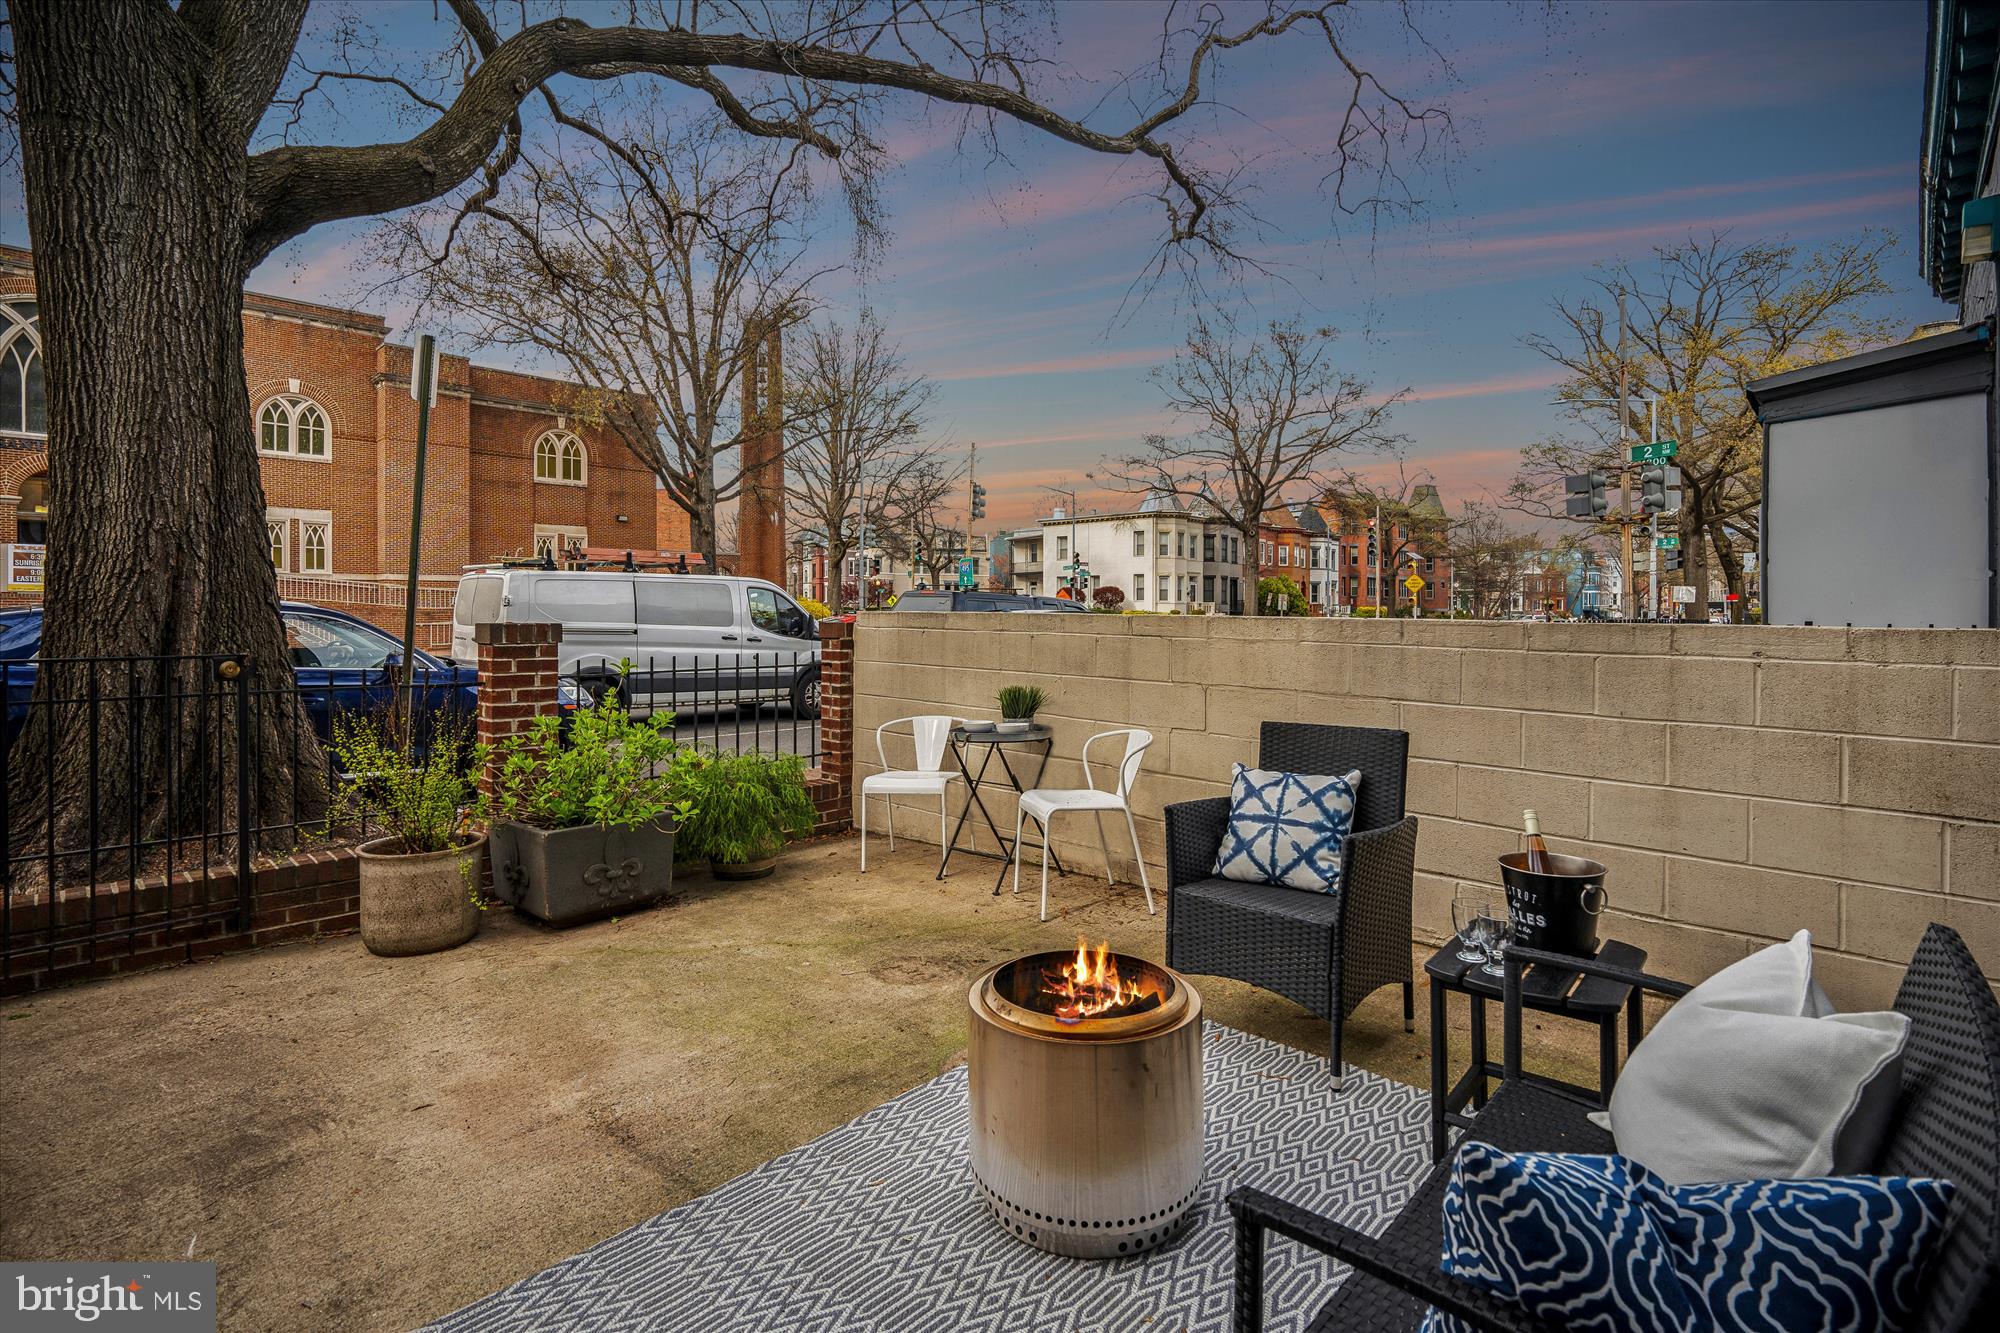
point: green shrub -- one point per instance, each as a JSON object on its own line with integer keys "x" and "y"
{"x": 422, "y": 795}
{"x": 742, "y": 807}
{"x": 1271, "y": 589}
{"x": 612, "y": 770}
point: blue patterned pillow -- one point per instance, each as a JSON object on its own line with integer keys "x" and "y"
{"x": 1286, "y": 828}
{"x": 1601, "y": 1243}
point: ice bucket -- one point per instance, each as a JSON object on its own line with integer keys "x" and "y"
{"x": 1557, "y": 910}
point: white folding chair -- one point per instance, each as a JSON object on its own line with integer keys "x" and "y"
{"x": 931, "y": 732}
{"x": 1043, "y": 803}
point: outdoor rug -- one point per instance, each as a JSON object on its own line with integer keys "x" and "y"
{"x": 877, "y": 1225}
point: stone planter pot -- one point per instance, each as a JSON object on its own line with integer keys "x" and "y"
{"x": 564, "y": 876}
{"x": 757, "y": 869}
{"x": 420, "y": 903}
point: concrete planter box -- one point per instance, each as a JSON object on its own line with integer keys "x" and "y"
{"x": 564, "y": 876}
{"x": 420, "y": 903}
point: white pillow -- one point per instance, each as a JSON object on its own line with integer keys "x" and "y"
{"x": 1752, "y": 1076}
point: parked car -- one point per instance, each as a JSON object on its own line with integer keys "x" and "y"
{"x": 693, "y": 640}
{"x": 951, "y": 599}
{"x": 340, "y": 662}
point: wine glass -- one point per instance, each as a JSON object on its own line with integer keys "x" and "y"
{"x": 1467, "y": 908}
{"x": 1497, "y": 932}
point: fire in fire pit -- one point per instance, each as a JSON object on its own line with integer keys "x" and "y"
{"x": 1085, "y": 1080}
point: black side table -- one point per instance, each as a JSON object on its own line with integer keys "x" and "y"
{"x": 994, "y": 742}
{"x": 1545, "y": 990}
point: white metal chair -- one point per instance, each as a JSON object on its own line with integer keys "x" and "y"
{"x": 932, "y": 733}
{"x": 1043, "y": 803}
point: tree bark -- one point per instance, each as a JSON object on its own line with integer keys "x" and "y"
{"x": 134, "y": 133}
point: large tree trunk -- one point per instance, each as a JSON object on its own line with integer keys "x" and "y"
{"x": 136, "y": 207}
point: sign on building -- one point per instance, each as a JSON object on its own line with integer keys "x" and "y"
{"x": 1683, "y": 593}
{"x": 24, "y": 566}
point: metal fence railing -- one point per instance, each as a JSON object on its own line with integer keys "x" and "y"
{"x": 134, "y": 798}
{"x": 738, "y": 703}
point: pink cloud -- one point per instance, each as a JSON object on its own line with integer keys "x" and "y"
{"x": 1071, "y": 365}
{"x": 1497, "y": 384}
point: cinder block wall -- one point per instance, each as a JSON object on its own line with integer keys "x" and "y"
{"x": 1740, "y": 782}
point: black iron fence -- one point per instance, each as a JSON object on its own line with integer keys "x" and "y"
{"x": 737, "y": 703}
{"x": 138, "y": 791}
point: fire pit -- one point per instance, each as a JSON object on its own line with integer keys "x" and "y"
{"x": 1085, "y": 1077}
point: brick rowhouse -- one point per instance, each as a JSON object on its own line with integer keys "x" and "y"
{"x": 514, "y": 467}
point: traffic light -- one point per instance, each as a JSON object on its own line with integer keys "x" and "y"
{"x": 978, "y": 500}
{"x": 1660, "y": 489}
{"x": 1670, "y": 560}
{"x": 1586, "y": 494}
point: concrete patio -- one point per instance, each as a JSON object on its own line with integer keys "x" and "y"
{"x": 367, "y": 1143}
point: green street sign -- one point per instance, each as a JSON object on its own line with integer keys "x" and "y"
{"x": 1654, "y": 452}
{"x": 1666, "y": 543}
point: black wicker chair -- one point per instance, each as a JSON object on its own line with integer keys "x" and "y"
{"x": 1947, "y": 1126}
{"x": 1327, "y": 951}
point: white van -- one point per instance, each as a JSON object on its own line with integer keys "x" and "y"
{"x": 694, "y": 640}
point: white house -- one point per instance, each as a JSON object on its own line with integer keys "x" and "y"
{"x": 1165, "y": 555}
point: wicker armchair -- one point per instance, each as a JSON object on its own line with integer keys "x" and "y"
{"x": 1944, "y": 1128}
{"x": 1326, "y": 951}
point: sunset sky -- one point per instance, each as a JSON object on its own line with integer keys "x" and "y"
{"x": 1588, "y": 135}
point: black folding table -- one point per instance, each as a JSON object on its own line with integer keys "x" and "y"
{"x": 995, "y": 742}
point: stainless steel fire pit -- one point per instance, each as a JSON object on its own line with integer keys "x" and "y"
{"x": 1085, "y": 1079}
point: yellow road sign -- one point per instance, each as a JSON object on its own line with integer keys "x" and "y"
{"x": 1414, "y": 583}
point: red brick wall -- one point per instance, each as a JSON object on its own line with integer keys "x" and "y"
{"x": 831, "y": 785}
{"x": 517, "y": 680}
{"x": 305, "y": 895}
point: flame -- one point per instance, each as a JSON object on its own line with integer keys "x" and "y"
{"x": 1090, "y": 985}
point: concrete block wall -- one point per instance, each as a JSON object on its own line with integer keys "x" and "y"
{"x": 1740, "y": 782}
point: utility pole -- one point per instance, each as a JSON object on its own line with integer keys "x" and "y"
{"x": 1653, "y": 529}
{"x": 423, "y": 388}
{"x": 1624, "y": 472}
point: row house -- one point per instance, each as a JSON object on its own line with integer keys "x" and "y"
{"x": 1164, "y": 555}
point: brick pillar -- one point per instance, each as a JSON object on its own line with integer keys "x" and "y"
{"x": 832, "y": 783}
{"x": 517, "y": 680}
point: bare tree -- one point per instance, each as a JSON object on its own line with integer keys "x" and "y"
{"x": 919, "y": 522}
{"x": 1703, "y": 320}
{"x": 1272, "y": 417}
{"x": 1490, "y": 561}
{"x": 855, "y": 419}
{"x": 153, "y": 192}
{"x": 653, "y": 266}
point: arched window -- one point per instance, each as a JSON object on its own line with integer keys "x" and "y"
{"x": 294, "y": 426}
{"x": 560, "y": 458}
{"x": 24, "y": 403}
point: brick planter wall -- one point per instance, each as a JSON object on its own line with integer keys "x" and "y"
{"x": 307, "y": 894}
{"x": 517, "y": 680}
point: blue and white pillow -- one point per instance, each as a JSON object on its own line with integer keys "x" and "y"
{"x": 1601, "y": 1243}
{"x": 1287, "y": 828}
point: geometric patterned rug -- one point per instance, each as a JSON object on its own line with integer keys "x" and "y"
{"x": 876, "y": 1225}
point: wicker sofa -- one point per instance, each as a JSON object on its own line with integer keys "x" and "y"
{"x": 1326, "y": 951}
{"x": 1947, "y": 1126}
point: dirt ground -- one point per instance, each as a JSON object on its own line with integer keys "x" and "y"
{"x": 367, "y": 1143}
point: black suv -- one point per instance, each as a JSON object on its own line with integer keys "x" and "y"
{"x": 951, "y": 599}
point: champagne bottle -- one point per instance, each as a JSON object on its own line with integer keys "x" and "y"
{"x": 1538, "y": 851}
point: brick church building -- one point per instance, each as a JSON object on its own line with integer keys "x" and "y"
{"x": 511, "y": 471}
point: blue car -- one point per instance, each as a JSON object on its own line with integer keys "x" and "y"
{"x": 340, "y": 662}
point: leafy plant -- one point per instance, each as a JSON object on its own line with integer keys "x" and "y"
{"x": 422, "y": 794}
{"x": 1108, "y": 599}
{"x": 1018, "y": 703}
{"x": 817, "y": 610}
{"x": 1270, "y": 590}
{"x": 612, "y": 769}
{"x": 742, "y": 807}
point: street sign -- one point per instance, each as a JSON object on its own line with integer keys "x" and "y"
{"x": 1655, "y": 451}
{"x": 1415, "y": 583}
{"x": 965, "y": 574}
{"x": 1667, "y": 541}
{"x": 1684, "y": 593}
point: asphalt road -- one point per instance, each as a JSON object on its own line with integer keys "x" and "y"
{"x": 766, "y": 729}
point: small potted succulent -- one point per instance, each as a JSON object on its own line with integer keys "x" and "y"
{"x": 583, "y": 824}
{"x": 1018, "y": 706}
{"x": 743, "y": 808}
{"x": 420, "y": 880}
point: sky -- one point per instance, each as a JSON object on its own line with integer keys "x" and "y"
{"x": 1582, "y": 135}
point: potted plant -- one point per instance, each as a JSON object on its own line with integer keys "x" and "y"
{"x": 1019, "y": 704}
{"x": 583, "y": 824}
{"x": 742, "y": 809}
{"x": 420, "y": 881}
